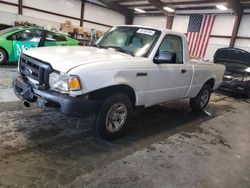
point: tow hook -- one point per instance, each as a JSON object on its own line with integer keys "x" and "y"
{"x": 26, "y": 104}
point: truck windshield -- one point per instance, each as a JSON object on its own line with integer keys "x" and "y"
{"x": 135, "y": 41}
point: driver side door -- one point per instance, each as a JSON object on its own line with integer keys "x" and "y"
{"x": 169, "y": 80}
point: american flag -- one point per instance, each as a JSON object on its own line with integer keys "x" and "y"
{"x": 199, "y": 30}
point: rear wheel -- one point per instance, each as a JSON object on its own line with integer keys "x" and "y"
{"x": 200, "y": 102}
{"x": 3, "y": 56}
{"x": 111, "y": 120}
{"x": 247, "y": 94}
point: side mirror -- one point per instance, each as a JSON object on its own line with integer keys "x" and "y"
{"x": 165, "y": 57}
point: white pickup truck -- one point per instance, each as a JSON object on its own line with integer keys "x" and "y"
{"x": 130, "y": 67}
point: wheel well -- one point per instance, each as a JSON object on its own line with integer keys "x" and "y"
{"x": 103, "y": 93}
{"x": 210, "y": 82}
{"x": 5, "y": 52}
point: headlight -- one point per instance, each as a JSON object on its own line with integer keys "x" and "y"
{"x": 64, "y": 82}
{"x": 246, "y": 78}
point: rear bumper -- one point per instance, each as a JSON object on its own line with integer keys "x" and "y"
{"x": 235, "y": 86}
{"x": 75, "y": 106}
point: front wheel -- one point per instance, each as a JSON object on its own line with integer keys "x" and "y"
{"x": 200, "y": 102}
{"x": 3, "y": 56}
{"x": 111, "y": 120}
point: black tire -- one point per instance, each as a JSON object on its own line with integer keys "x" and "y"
{"x": 247, "y": 94}
{"x": 3, "y": 56}
{"x": 200, "y": 102}
{"x": 101, "y": 121}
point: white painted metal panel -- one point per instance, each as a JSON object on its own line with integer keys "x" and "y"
{"x": 7, "y": 18}
{"x": 50, "y": 17}
{"x": 214, "y": 44}
{"x": 243, "y": 44}
{"x": 223, "y": 25}
{"x": 65, "y": 7}
{"x": 244, "y": 30}
{"x": 156, "y": 21}
{"x": 8, "y": 8}
{"x": 181, "y": 23}
{"x": 103, "y": 15}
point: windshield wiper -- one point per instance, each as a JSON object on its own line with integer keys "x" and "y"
{"x": 120, "y": 49}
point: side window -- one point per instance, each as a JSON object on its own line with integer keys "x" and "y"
{"x": 31, "y": 35}
{"x": 54, "y": 37}
{"x": 173, "y": 43}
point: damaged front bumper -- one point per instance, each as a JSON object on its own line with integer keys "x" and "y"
{"x": 75, "y": 106}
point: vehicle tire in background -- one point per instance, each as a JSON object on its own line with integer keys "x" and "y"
{"x": 247, "y": 94}
{"x": 200, "y": 102}
{"x": 3, "y": 56}
{"x": 111, "y": 119}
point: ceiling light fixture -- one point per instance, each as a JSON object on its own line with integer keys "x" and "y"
{"x": 221, "y": 7}
{"x": 168, "y": 9}
{"x": 139, "y": 10}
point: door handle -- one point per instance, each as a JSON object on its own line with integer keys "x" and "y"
{"x": 183, "y": 71}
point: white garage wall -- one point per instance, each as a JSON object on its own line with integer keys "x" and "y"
{"x": 7, "y": 18}
{"x": 215, "y": 43}
{"x": 243, "y": 44}
{"x": 180, "y": 23}
{"x": 8, "y": 8}
{"x": 223, "y": 25}
{"x": 72, "y": 8}
{"x": 65, "y": 7}
{"x": 156, "y": 21}
{"x": 103, "y": 15}
{"x": 49, "y": 17}
{"x": 244, "y": 31}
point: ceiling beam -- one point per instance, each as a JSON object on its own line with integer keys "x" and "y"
{"x": 149, "y": 14}
{"x": 235, "y": 6}
{"x": 129, "y": 1}
{"x": 195, "y": 2}
{"x": 117, "y": 7}
{"x": 138, "y": 5}
{"x": 158, "y": 4}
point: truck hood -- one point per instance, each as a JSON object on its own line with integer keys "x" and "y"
{"x": 64, "y": 58}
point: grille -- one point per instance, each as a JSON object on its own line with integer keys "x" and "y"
{"x": 35, "y": 69}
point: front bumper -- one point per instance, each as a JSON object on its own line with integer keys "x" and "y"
{"x": 235, "y": 86}
{"x": 75, "y": 106}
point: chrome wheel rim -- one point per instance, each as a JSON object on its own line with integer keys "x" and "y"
{"x": 204, "y": 98}
{"x": 1, "y": 56}
{"x": 116, "y": 117}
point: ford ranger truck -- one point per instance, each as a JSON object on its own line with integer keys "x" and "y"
{"x": 129, "y": 68}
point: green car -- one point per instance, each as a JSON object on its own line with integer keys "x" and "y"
{"x": 14, "y": 40}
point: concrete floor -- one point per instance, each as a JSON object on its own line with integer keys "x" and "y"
{"x": 166, "y": 146}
